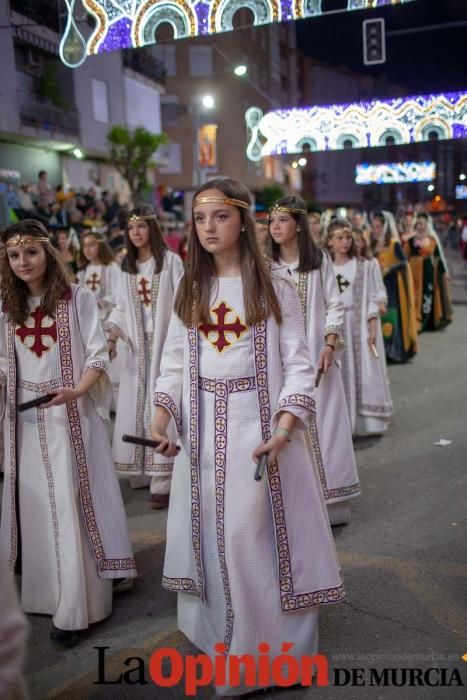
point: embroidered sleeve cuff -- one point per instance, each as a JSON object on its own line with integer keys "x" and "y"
{"x": 161, "y": 399}
{"x": 99, "y": 365}
{"x": 338, "y": 331}
{"x": 301, "y": 405}
{"x": 113, "y": 328}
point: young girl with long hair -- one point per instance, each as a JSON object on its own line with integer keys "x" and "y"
{"x": 399, "y": 323}
{"x": 312, "y": 272}
{"x": 98, "y": 271}
{"x": 150, "y": 273}
{"x": 364, "y": 366}
{"x": 63, "y": 520}
{"x": 364, "y": 253}
{"x": 250, "y": 560}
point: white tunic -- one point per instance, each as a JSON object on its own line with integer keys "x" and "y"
{"x": 323, "y": 313}
{"x": 141, "y": 319}
{"x": 103, "y": 282}
{"x": 72, "y": 524}
{"x": 250, "y": 560}
{"x": 365, "y": 377}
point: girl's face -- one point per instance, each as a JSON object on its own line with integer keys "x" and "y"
{"x": 359, "y": 242}
{"x": 28, "y": 262}
{"x": 138, "y": 233}
{"x": 377, "y": 227}
{"x": 340, "y": 241}
{"x": 90, "y": 249}
{"x": 314, "y": 225}
{"x": 218, "y": 226}
{"x": 421, "y": 225}
{"x": 282, "y": 227}
{"x": 262, "y": 234}
{"x": 62, "y": 241}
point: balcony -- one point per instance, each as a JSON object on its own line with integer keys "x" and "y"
{"x": 36, "y": 111}
{"x": 143, "y": 62}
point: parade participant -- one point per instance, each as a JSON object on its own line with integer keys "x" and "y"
{"x": 262, "y": 231}
{"x": 98, "y": 271}
{"x": 406, "y": 226}
{"x": 315, "y": 227}
{"x": 430, "y": 276}
{"x": 399, "y": 323}
{"x": 13, "y": 633}
{"x": 323, "y": 315}
{"x": 364, "y": 253}
{"x": 66, "y": 528}
{"x": 101, "y": 275}
{"x": 150, "y": 273}
{"x": 250, "y": 560}
{"x": 365, "y": 377}
{"x": 67, "y": 249}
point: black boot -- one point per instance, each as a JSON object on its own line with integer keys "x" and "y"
{"x": 68, "y": 638}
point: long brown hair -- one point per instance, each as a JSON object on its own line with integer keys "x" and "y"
{"x": 310, "y": 256}
{"x": 339, "y": 224}
{"x": 156, "y": 241}
{"x": 386, "y": 231}
{"x": 103, "y": 250}
{"x": 15, "y": 292}
{"x": 365, "y": 252}
{"x": 193, "y": 296}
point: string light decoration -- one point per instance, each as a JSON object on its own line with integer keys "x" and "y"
{"x": 359, "y": 125}
{"x": 123, "y": 24}
{"x": 387, "y": 173}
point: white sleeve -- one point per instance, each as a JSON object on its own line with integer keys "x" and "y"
{"x": 13, "y": 634}
{"x": 117, "y": 320}
{"x": 296, "y": 394}
{"x": 169, "y": 385}
{"x": 333, "y": 300}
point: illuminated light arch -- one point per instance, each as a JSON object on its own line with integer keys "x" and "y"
{"x": 439, "y": 126}
{"x": 178, "y": 13}
{"x": 122, "y": 24}
{"x": 102, "y": 25}
{"x": 307, "y": 141}
{"x": 222, "y": 12}
{"x": 369, "y": 123}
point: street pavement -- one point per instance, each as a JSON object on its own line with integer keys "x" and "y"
{"x": 403, "y": 559}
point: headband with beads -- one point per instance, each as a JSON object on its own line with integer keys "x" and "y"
{"x": 134, "y": 218}
{"x": 221, "y": 200}
{"x": 288, "y": 210}
{"x": 26, "y": 239}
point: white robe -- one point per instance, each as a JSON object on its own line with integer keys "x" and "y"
{"x": 250, "y": 560}
{"x": 323, "y": 313}
{"x": 365, "y": 376}
{"x": 103, "y": 281}
{"x": 141, "y": 322}
{"x": 13, "y": 634}
{"x": 68, "y": 511}
{"x": 381, "y": 294}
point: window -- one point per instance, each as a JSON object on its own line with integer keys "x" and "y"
{"x": 170, "y": 110}
{"x": 166, "y": 54}
{"x": 100, "y": 101}
{"x": 200, "y": 61}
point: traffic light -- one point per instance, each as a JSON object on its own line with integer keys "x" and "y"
{"x": 374, "y": 42}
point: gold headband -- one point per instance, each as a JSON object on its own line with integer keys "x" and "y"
{"x": 148, "y": 217}
{"x": 288, "y": 210}
{"x": 222, "y": 200}
{"x": 25, "y": 239}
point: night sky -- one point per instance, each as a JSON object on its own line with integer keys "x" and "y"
{"x": 421, "y": 62}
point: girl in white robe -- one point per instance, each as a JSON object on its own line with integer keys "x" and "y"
{"x": 63, "y": 519}
{"x": 323, "y": 316}
{"x": 363, "y": 252}
{"x": 149, "y": 277}
{"x": 101, "y": 275}
{"x": 365, "y": 377}
{"x": 250, "y": 560}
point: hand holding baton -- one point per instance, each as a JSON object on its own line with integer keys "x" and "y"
{"x": 261, "y": 466}
{"x": 374, "y": 351}
{"x": 35, "y": 402}
{"x": 318, "y": 378}
{"x": 135, "y": 440}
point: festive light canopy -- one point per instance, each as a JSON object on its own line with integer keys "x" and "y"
{"x": 123, "y": 24}
{"x": 385, "y": 173}
{"x": 359, "y": 125}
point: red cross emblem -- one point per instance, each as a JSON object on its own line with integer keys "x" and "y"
{"x": 37, "y": 331}
{"x": 144, "y": 291}
{"x": 222, "y": 327}
{"x": 93, "y": 282}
